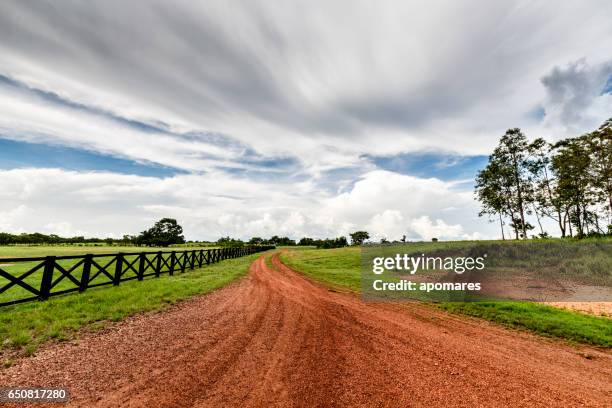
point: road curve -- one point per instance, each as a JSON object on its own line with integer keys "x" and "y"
{"x": 276, "y": 339}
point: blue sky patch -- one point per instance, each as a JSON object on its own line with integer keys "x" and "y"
{"x": 537, "y": 113}
{"x": 16, "y": 154}
{"x": 445, "y": 167}
{"x": 607, "y": 89}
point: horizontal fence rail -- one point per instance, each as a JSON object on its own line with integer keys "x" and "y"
{"x": 28, "y": 279}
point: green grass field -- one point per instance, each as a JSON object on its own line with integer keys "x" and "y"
{"x": 25, "y": 326}
{"x": 340, "y": 268}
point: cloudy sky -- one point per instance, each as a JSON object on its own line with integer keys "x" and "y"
{"x": 300, "y": 118}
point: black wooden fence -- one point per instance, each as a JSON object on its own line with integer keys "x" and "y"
{"x": 56, "y": 275}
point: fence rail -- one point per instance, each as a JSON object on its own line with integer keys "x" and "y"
{"x": 43, "y": 277}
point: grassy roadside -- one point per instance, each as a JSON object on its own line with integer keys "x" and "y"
{"x": 25, "y": 326}
{"x": 340, "y": 268}
{"x": 541, "y": 319}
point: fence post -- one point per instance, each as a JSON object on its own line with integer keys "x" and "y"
{"x": 118, "y": 269}
{"x": 141, "y": 266}
{"x": 47, "y": 278}
{"x": 207, "y": 256}
{"x": 172, "y": 262}
{"x": 200, "y": 256}
{"x": 86, "y": 271}
{"x": 193, "y": 256}
{"x": 158, "y": 264}
{"x": 185, "y": 257}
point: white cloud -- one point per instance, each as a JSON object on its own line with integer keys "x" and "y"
{"x": 389, "y": 223}
{"x": 9, "y": 218}
{"x": 62, "y": 228}
{"x": 107, "y": 204}
{"x": 427, "y": 229}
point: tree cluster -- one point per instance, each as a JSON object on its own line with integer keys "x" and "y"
{"x": 358, "y": 237}
{"x": 305, "y": 241}
{"x": 164, "y": 233}
{"x": 274, "y": 240}
{"x": 569, "y": 182}
{"x": 330, "y": 242}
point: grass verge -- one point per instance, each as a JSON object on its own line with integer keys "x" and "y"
{"x": 541, "y": 319}
{"x": 25, "y": 326}
{"x": 340, "y": 268}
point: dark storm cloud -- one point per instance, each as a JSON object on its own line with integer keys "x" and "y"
{"x": 572, "y": 89}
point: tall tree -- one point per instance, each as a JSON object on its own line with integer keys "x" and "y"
{"x": 358, "y": 237}
{"x": 599, "y": 144}
{"x": 513, "y": 154}
{"x": 547, "y": 203}
{"x": 491, "y": 184}
{"x": 504, "y": 187}
{"x": 571, "y": 164}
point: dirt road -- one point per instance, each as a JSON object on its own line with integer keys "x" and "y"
{"x": 276, "y": 339}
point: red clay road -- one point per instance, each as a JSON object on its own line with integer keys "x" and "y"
{"x": 276, "y": 339}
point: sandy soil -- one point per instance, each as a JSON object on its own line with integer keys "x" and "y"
{"x": 276, "y": 339}
{"x": 594, "y": 308}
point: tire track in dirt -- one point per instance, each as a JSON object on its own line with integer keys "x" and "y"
{"x": 276, "y": 339}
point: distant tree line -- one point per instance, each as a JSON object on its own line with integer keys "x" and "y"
{"x": 167, "y": 232}
{"x": 164, "y": 233}
{"x": 286, "y": 241}
{"x": 568, "y": 182}
{"x": 42, "y": 239}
